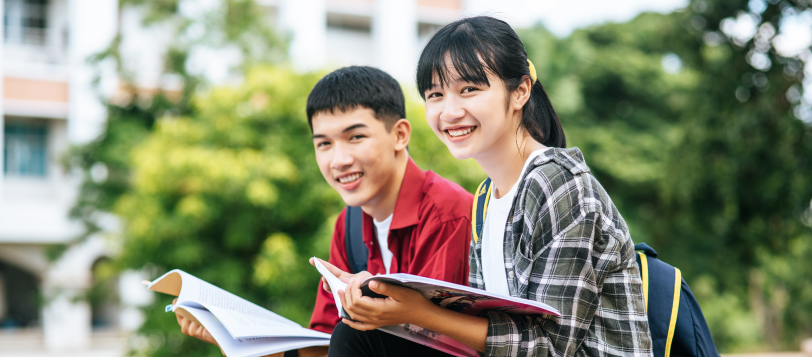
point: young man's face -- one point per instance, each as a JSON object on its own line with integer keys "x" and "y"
{"x": 355, "y": 153}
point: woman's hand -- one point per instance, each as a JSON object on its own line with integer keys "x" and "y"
{"x": 402, "y": 305}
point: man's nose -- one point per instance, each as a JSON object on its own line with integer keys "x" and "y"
{"x": 342, "y": 157}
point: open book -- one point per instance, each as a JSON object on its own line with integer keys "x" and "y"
{"x": 456, "y": 297}
{"x": 241, "y": 328}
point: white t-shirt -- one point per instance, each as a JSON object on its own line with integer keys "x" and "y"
{"x": 493, "y": 237}
{"x": 382, "y": 230}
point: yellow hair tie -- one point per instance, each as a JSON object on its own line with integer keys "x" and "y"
{"x": 532, "y": 71}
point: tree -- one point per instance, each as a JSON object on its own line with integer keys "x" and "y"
{"x": 233, "y": 195}
{"x": 234, "y": 26}
{"x": 701, "y": 153}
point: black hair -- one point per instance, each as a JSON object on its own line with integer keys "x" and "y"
{"x": 479, "y": 44}
{"x": 349, "y": 88}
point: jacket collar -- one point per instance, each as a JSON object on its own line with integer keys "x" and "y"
{"x": 571, "y": 159}
{"x": 409, "y": 198}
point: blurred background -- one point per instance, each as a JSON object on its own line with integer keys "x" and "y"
{"x": 145, "y": 135}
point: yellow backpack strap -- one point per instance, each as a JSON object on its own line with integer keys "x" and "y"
{"x": 480, "y": 209}
{"x": 675, "y": 306}
{"x": 644, "y": 271}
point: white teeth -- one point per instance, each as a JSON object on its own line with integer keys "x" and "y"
{"x": 350, "y": 178}
{"x": 461, "y": 132}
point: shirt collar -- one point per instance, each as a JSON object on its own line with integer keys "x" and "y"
{"x": 409, "y": 198}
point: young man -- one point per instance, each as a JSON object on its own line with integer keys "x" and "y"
{"x": 414, "y": 221}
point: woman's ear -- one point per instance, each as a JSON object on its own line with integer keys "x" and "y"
{"x": 401, "y": 133}
{"x": 521, "y": 95}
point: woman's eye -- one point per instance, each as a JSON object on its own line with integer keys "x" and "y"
{"x": 468, "y": 89}
{"x": 434, "y": 95}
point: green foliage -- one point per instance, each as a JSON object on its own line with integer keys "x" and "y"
{"x": 715, "y": 184}
{"x": 233, "y": 196}
{"x": 221, "y": 182}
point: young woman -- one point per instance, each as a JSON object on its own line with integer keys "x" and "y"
{"x": 551, "y": 233}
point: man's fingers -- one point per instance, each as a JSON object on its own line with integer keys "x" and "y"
{"x": 184, "y": 326}
{"x": 332, "y": 268}
{"x": 206, "y": 336}
{"x": 325, "y": 285}
{"x": 335, "y": 271}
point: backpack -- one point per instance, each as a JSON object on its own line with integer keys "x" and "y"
{"x": 676, "y": 322}
{"x": 357, "y": 252}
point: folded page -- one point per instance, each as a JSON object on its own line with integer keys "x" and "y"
{"x": 238, "y": 315}
{"x": 251, "y": 347}
{"x": 335, "y": 285}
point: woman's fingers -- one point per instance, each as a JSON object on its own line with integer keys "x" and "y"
{"x": 362, "y": 326}
{"x": 397, "y": 293}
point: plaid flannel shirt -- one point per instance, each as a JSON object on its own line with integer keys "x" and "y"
{"x": 566, "y": 245}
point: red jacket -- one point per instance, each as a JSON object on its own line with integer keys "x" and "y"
{"x": 430, "y": 236}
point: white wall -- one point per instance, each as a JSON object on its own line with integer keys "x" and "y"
{"x": 93, "y": 25}
{"x": 394, "y": 36}
{"x": 305, "y": 21}
{"x": 67, "y": 316}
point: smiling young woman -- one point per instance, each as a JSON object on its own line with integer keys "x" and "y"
{"x": 551, "y": 232}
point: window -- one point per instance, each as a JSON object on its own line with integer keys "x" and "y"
{"x": 25, "y": 21}
{"x": 25, "y": 149}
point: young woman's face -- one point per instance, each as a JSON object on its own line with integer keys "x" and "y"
{"x": 470, "y": 118}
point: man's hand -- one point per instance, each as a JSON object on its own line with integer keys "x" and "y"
{"x": 340, "y": 274}
{"x": 191, "y": 327}
{"x": 402, "y": 305}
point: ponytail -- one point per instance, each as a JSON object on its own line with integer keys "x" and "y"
{"x": 540, "y": 120}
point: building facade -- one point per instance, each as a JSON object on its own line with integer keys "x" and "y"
{"x": 50, "y": 102}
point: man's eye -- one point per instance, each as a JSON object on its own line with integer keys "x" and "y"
{"x": 357, "y": 137}
{"x": 321, "y": 144}
{"x": 434, "y": 95}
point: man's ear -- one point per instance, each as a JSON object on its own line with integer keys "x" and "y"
{"x": 401, "y": 133}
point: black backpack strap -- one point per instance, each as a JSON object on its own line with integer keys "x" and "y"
{"x": 357, "y": 252}
{"x": 481, "y": 198}
{"x": 662, "y": 285}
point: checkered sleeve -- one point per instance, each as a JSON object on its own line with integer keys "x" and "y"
{"x": 576, "y": 255}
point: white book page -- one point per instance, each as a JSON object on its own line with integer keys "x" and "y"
{"x": 427, "y": 285}
{"x": 211, "y": 296}
{"x": 335, "y": 285}
{"x": 251, "y": 347}
{"x": 236, "y": 314}
{"x": 246, "y": 326}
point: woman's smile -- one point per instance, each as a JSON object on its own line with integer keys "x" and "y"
{"x": 459, "y": 133}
